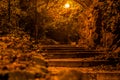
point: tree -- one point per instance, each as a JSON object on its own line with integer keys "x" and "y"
{"x": 101, "y": 25}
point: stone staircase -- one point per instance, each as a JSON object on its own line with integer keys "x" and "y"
{"x": 71, "y": 56}
{"x": 66, "y": 58}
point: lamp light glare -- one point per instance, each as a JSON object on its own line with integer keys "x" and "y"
{"x": 67, "y": 5}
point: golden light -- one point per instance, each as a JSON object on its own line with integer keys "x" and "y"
{"x": 67, "y": 5}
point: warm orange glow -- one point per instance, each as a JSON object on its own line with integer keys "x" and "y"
{"x": 67, "y": 5}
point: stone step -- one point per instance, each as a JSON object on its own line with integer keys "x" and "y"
{"x": 64, "y": 48}
{"x": 60, "y": 47}
{"x": 60, "y": 55}
{"x": 82, "y": 52}
{"x": 68, "y": 50}
{"x": 66, "y": 45}
{"x": 88, "y": 73}
{"x": 90, "y": 70}
{"x": 75, "y": 62}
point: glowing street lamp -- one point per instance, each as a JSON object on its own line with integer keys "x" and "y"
{"x": 67, "y": 5}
